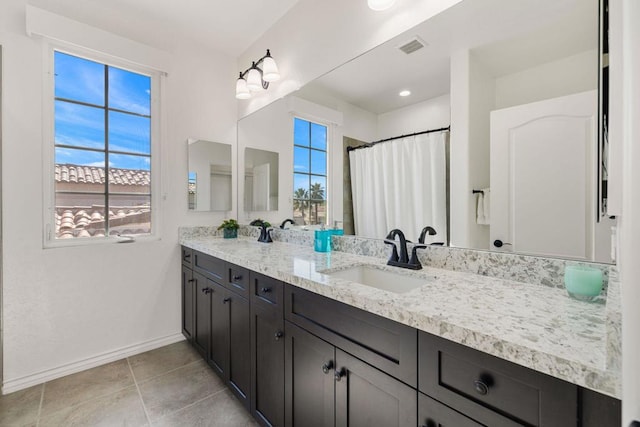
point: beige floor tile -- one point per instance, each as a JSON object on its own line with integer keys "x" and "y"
{"x": 162, "y": 360}
{"x": 219, "y": 410}
{"x": 122, "y": 408}
{"x": 177, "y": 389}
{"x": 20, "y": 408}
{"x": 77, "y": 388}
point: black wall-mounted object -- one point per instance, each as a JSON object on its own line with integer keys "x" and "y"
{"x": 499, "y": 243}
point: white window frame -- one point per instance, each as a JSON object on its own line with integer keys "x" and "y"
{"x": 48, "y": 149}
{"x": 328, "y": 151}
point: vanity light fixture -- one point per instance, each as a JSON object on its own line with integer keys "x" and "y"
{"x": 405, "y": 92}
{"x": 378, "y": 5}
{"x": 257, "y": 78}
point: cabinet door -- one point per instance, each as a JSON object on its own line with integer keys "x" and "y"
{"x": 432, "y": 413}
{"x": 267, "y": 363}
{"x": 368, "y": 397}
{"x": 219, "y": 348}
{"x": 187, "y": 303}
{"x": 239, "y": 367}
{"x": 202, "y": 327}
{"x": 309, "y": 379}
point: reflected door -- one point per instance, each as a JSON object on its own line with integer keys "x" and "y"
{"x": 539, "y": 206}
{"x": 261, "y": 187}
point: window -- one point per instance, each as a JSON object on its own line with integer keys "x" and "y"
{"x": 102, "y": 150}
{"x": 309, "y": 172}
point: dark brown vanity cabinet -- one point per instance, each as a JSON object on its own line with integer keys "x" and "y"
{"x": 267, "y": 350}
{"x": 327, "y": 387}
{"x": 230, "y": 344}
{"x": 216, "y": 320}
{"x": 188, "y": 310}
{"x": 296, "y": 358}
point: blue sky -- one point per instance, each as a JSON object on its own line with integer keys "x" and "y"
{"x": 83, "y": 126}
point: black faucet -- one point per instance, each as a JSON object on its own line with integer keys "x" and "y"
{"x": 265, "y": 233}
{"x": 427, "y": 230}
{"x": 403, "y": 260}
{"x": 286, "y": 221}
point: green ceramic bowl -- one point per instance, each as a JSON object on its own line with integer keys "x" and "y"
{"x": 583, "y": 283}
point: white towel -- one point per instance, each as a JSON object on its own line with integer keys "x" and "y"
{"x": 482, "y": 207}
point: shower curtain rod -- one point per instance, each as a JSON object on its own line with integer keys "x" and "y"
{"x": 371, "y": 144}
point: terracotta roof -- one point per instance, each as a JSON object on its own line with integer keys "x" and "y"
{"x": 89, "y": 221}
{"x": 96, "y": 175}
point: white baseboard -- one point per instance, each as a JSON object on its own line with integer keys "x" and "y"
{"x": 9, "y": 386}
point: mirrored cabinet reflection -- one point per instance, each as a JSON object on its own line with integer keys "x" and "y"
{"x": 260, "y": 180}
{"x": 210, "y": 176}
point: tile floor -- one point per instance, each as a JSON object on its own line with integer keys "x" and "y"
{"x": 169, "y": 386}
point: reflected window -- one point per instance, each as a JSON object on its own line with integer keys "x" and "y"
{"x": 102, "y": 139}
{"x": 309, "y": 172}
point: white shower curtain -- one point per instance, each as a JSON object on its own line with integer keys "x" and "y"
{"x": 401, "y": 184}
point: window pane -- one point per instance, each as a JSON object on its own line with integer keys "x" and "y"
{"x": 318, "y": 162}
{"x": 78, "y": 79}
{"x": 301, "y": 132}
{"x": 300, "y": 159}
{"x": 79, "y": 215}
{"x": 129, "y": 214}
{"x": 130, "y": 174}
{"x": 128, "y": 133}
{"x": 319, "y": 136}
{"x": 318, "y": 189}
{"x": 129, "y": 91}
{"x": 300, "y": 186}
{"x": 79, "y": 125}
{"x": 79, "y": 170}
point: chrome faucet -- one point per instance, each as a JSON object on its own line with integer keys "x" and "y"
{"x": 403, "y": 260}
{"x": 284, "y": 223}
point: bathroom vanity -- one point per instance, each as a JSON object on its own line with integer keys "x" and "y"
{"x": 300, "y": 346}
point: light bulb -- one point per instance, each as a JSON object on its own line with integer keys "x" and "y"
{"x": 242, "y": 91}
{"x": 380, "y": 4}
{"x": 270, "y": 70}
{"x": 254, "y": 79}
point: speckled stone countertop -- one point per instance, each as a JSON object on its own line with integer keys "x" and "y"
{"x": 536, "y": 326}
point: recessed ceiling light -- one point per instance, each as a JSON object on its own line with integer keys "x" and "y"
{"x": 405, "y": 93}
{"x": 380, "y": 4}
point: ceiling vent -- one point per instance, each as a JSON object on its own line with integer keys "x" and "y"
{"x": 412, "y": 45}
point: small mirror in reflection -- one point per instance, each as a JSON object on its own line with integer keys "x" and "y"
{"x": 260, "y": 180}
{"x": 210, "y": 174}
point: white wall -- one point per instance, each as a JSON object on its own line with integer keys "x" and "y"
{"x": 335, "y": 31}
{"x": 433, "y": 113}
{"x": 566, "y": 76}
{"x": 66, "y": 308}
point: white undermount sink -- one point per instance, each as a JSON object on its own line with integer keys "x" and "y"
{"x": 379, "y": 279}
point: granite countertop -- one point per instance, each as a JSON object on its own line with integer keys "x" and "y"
{"x": 536, "y": 326}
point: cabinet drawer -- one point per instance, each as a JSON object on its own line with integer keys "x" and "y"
{"x": 491, "y": 390}
{"x": 266, "y": 289}
{"x": 432, "y": 413}
{"x": 238, "y": 279}
{"x": 209, "y": 266}
{"x": 383, "y": 343}
{"x": 186, "y": 256}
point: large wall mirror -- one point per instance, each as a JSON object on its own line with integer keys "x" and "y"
{"x": 210, "y": 176}
{"x": 518, "y": 84}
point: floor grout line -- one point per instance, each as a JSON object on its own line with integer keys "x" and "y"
{"x": 144, "y": 407}
{"x": 44, "y": 384}
{"x": 169, "y": 371}
{"x": 222, "y": 390}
